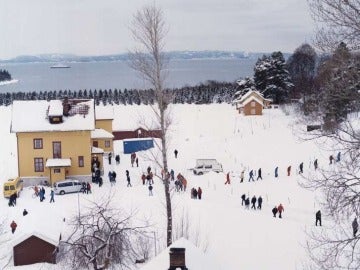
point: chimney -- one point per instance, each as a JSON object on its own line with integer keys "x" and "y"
{"x": 177, "y": 259}
{"x": 66, "y": 106}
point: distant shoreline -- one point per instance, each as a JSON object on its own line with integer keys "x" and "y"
{"x": 8, "y": 82}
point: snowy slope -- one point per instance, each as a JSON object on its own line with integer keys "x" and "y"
{"x": 234, "y": 236}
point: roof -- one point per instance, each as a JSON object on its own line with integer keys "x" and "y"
{"x": 23, "y": 237}
{"x": 104, "y": 113}
{"x": 194, "y": 258}
{"x": 100, "y": 133}
{"x": 96, "y": 150}
{"x": 34, "y": 224}
{"x": 55, "y": 108}
{"x": 138, "y": 139}
{"x": 249, "y": 94}
{"x": 252, "y": 99}
{"x": 31, "y": 116}
{"x": 58, "y": 162}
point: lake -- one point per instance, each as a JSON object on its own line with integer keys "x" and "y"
{"x": 110, "y": 75}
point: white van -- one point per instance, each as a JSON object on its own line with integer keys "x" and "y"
{"x": 67, "y": 186}
{"x": 207, "y": 165}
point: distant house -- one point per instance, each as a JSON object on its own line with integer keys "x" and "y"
{"x": 55, "y": 139}
{"x": 252, "y": 103}
{"x": 184, "y": 255}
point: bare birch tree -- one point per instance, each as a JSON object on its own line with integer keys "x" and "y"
{"x": 335, "y": 246}
{"x": 149, "y": 31}
{"x": 339, "y": 21}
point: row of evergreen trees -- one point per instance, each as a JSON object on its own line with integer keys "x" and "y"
{"x": 4, "y": 75}
{"x": 205, "y": 93}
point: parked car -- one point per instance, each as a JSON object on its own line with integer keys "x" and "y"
{"x": 11, "y": 186}
{"x": 67, "y": 186}
{"x": 207, "y": 165}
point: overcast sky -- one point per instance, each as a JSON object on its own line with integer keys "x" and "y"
{"x": 101, "y": 27}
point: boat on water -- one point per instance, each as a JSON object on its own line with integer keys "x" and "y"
{"x": 60, "y": 66}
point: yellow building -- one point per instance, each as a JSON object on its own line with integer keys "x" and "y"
{"x": 54, "y": 139}
{"x": 102, "y": 136}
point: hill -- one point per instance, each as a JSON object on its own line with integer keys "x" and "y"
{"x": 239, "y": 238}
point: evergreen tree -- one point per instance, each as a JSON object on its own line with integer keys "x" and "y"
{"x": 272, "y": 78}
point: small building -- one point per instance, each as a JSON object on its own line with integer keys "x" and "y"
{"x": 34, "y": 248}
{"x": 252, "y": 103}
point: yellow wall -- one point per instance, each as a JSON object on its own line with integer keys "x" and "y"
{"x": 73, "y": 144}
{"x": 104, "y": 124}
{"x": 101, "y": 144}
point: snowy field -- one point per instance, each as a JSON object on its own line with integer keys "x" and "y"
{"x": 234, "y": 236}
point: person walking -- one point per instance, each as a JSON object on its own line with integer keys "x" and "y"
{"x": 251, "y": 175}
{"x": 88, "y": 188}
{"x": 109, "y": 158}
{"x": 280, "y": 209}
{"x": 199, "y": 193}
{"x": 259, "y": 200}
{"x": 117, "y": 159}
{"x": 128, "y": 179}
{"x": 247, "y": 203}
{"x": 318, "y": 218}
{"x": 259, "y": 174}
{"x": 150, "y": 190}
{"x": 331, "y": 159}
{"x": 143, "y": 178}
{"x": 301, "y": 167}
{"x": 227, "y": 178}
{"x": 242, "y": 176}
{"x": 288, "y": 171}
{"x": 172, "y": 174}
{"x": 316, "y": 164}
{"x": 338, "y": 157}
{"x": 13, "y": 226}
{"x": 253, "y": 202}
{"x": 276, "y": 172}
{"x": 137, "y": 162}
{"x": 52, "y": 193}
{"x": 355, "y": 226}
{"x": 243, "y": 197}
{"x": 110, "y": 176}
{"x": 113, "y": 176}
{"x": 274, "y": 211}
{"x": 176, "y": 153}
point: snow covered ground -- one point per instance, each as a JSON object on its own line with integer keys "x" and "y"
{"x": 236, "y": 237}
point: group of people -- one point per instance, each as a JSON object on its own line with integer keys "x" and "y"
{"x": 246, "y": 201}
{"x": 112, "y": 177}
{"x": 12, "y": 199}
{"x": 134, "y": 159}
{"x": 86, "y": 187}
{"x": 196, "y": 193}
{"x": 180, "y": 183}
{"x": 278, "y": 209}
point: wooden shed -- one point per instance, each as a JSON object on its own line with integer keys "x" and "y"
{"x": 34, "y": 248}
{"x": 252, "y": 106}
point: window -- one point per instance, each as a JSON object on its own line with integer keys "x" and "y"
{"x": 81, "y": 161}
{"x": 107, "y": 144}
{"x": 56, "y": 170}
{"x": 95, "y": 143}
{"x": 39, "y": 164}
{"x": 252, "y": 104}
{"x": 38, "y": 143}
{"x": 56, "y": 149}
{"x": 252, "y": 111}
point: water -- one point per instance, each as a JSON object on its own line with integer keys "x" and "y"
{"x": 110, "y": 75}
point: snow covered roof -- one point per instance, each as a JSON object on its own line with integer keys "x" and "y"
{"x": 138, "y": 139}
{"x": 96, "y": 150}
{"x": 31, "y": 116}
{"x": 58, "y": 162}
{"x": 55, "y": 108}
{"x": 104, "y": 112}
{"x": 34, "y": 224}
{"x": 100, "y": 133}
{"x": 249, "y": 94}
{"x": 251, "y": 99}
{"x": 48, "y": 239}
{"x": 194, "y": 258}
